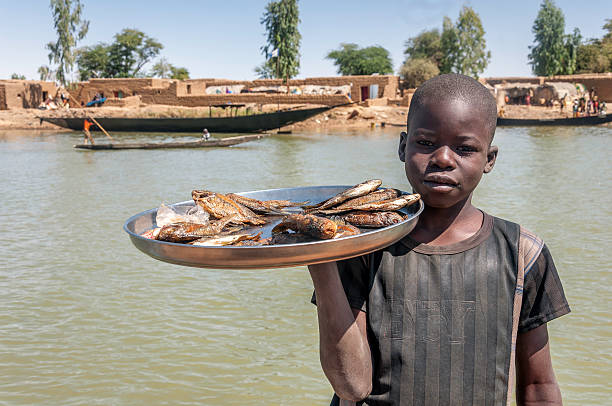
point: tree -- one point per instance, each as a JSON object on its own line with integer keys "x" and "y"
{"x": 265, "y": 71}
{"x": 281, "y": 20}
{"x": 553, "y": 52}
{"x": 70, "y": 29}
{"x": 352, "y": 60}
{"x": 16, "y": 76}
{"x": 463, "y": 45}
{"x": 595, "y": 55}
{"x": 568, "y": 58}
{"x": 590, "y": 59}
{"x": 415, "y": 71}
{"x": 179, "y": 73}
{"x": 45, "y": 73}
{"x": 131, "y": 50}
{"x": 426, "y": 45}
{"x": 162, "y": 69}
{"x": 124, "y": 58}
{"x": 93, "y": 61}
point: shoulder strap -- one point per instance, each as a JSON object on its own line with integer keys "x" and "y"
{"x": 529, "y": 248}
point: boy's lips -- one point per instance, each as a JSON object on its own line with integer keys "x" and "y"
{"x": 434, "y": 180}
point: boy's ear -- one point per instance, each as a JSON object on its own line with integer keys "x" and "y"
{"x": 402, "y": 146}
{"x": 491, "y": 157}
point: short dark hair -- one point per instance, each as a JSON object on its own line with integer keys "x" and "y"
{"x": 456, "y": 86}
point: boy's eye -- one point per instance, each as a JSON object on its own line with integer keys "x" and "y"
{"x": 466, "y": 148}
{"x": 425, "y": 143}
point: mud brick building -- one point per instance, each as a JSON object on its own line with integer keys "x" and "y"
{"x": 24, "y": 94}
{"x": 602, "y": 82}
{"x": 329, "y": 91}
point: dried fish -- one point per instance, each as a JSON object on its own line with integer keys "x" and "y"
{"x": 376, "y": 196}
{"x": 219, "y": 206}
{"x": 314, "y": 226}
{"x": 185, "y": 232}
{"x": 369, "y": 219}
{"x": 225, "y": 240}
{"x": 356, "y": 191}
{"x": 383, "y": 205}
{"x": 258, "y": 206}
{"x": 286, "y": 203}
{"x": 346, "y": 230}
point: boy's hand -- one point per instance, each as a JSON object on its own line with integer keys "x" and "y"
{"x": 536, "y": 382}
{"x": 344, "y": 350}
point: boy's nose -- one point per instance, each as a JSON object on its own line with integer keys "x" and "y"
{"x": 443, "y": 158}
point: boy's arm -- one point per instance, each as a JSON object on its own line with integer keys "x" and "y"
{"x": 344, "y": 349}
{"x": 536, "y": 383}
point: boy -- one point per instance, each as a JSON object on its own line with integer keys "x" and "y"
{"x": 435, "y": 318}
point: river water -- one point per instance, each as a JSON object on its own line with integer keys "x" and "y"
{"x": 87, "y": 319}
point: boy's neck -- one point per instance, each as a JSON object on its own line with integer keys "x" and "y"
{"x": 447, "y": 226}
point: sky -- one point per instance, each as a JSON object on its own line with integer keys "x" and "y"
{"x": 222, "y": 39}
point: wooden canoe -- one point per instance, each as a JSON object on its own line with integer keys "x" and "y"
{"x": 235, "y": 124}
{"x": 211, "y": 143}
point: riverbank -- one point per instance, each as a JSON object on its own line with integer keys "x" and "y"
{"x": 340, "y": 117}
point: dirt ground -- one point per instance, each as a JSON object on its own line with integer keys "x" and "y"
{"x": 340, "y": 117}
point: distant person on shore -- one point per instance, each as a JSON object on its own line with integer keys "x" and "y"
{"x": 205, "y": 135}
{"x": 458, "y": 308}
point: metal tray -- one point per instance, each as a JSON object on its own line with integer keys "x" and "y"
{"x": 272, "y": 256}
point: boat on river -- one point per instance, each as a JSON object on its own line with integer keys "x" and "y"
{"x": 577, "y": 121}
{"x": 211, "y": 143}
{"x": 233, "y": 124}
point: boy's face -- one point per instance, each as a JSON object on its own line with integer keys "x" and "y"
{"x": 446, "y": 151}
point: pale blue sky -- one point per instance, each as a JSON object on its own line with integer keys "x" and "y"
{"x": 222, "y": 39}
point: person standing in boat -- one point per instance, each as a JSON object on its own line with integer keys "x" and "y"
{"x": 86, "y": 125}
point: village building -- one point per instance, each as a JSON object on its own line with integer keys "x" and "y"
{"x": 367, "y": 90}
{"x": 25, "y": 94}
{"x": 330, "y": 91}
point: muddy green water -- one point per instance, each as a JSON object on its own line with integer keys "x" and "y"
{"x": 86, "y": 319}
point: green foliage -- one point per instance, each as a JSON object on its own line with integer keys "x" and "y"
{"x": 554, "y": 52}
{"x": 590, "y": 58}
{"x": 70, "y": 29}
{"x": 164, "y": 69}
{"x": 449, "y": 44}
{"x": 415, "y": 71}
{"x": 131, "y": 50}
{"x": 595, "y": 55}
{"x": 124, "y": 58}
{"x": 426, "y": 45}
{"x": 352, "y": 60}
{"x": 45, "y": 73}
{"x": 16, "y": 76}
{"x": 265, "y": 71}
{"x": 179, "y": 73}
{"x": 281, "y": 20}
{"x": 463, "y": 45}
{"x": 93, "y": 61}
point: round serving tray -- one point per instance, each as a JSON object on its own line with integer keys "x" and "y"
{"x": 271, "y": 256}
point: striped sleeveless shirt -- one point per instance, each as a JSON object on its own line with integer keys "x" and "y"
{"x": 442, "y": 321}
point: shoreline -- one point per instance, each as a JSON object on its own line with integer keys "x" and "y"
{"x": 355, "y": 116}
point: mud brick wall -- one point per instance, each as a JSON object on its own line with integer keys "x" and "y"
{"x": 192, "y": 92}
{"x": 601, "y": 81}
{"x": 3, "y": 98}
{"x": 257, "y": 98}
{"x": 24, "y": 94}
{"x": 126, "y": 87}
{"x": 130, "y": 101}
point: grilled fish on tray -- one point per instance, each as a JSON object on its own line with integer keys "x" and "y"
{"x": 235, "y": 219}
